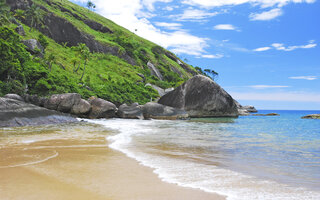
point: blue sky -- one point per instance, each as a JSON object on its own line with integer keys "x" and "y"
{"x": 265, "y": 51}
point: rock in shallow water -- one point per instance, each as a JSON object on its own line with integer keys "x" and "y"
{"x": 312, "y": 116}
{"x": 158, "y": 111}
{"x": 133, "y": 111}
{"x": 17, "y": 113}
{"x": 201, "y": 97}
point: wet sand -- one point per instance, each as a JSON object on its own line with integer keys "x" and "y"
{"x": 80, "y": 168}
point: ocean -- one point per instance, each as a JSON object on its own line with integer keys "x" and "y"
{"x": 250, "y": 157}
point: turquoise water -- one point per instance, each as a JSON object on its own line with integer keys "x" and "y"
{"x": 251, "y": 157}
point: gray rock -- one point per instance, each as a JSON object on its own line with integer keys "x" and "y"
{"x": 81, "y": 109}
{"x": 201, "y": 97}
{"x": 67, "y": 101}
{"x": 160, "y": 91}
{"x": 20, "y": 30}
{"x": 17, "y": 113}
{"x": 14, "y": 96}
{"x": 33, "y": 46}
{"x": 243, "y": 112}
{"x": 133, "y": 111}
{"x": 158, "y": 111}
{"x": 154, "y": 71}
{"x": 101, "y": 109}
{"x": 250, "y": 109}
{"x": 62, "y": 102}
{"x": 168, "y": 90}
{"x": 312, "y": 116}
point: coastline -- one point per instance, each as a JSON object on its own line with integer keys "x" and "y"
{"x": 85, "y": 168}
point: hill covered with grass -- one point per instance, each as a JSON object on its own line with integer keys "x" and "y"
{"x": 77, "y": 50}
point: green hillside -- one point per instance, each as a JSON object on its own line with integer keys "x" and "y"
{"x": 115, "y": 67}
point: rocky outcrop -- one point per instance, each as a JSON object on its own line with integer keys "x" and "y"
{"x": 157, "y": 111}
{"x": 160, "y": 91}
{"x": 33, "y": 46}
{"x": 133, "y": 111}
{"x": 269, "y": 114}
{"x": 20, "y": 30}
{"x": 312, "y": 116}
{"x": 63, "y": 31}
{"x": 18, "y": 113}
{"x": 102, "y": 109}
{"x": 201, "y": 97}
{"x": 154, "y": 71}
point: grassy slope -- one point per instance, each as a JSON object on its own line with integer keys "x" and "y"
{"x": 106, "y": 76}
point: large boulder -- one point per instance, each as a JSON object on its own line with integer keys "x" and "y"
{"x": 17, "y": 113}
{"x": 201, "y": 97}
{"x": 101, "y": 109}
{"x": 158, "y": 111}
{"x": 62, "y": 102}
{"x": 133, "y": 111}
{"x": 81, "y": 109}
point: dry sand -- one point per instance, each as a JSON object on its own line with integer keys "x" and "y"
{"x": 79, "y": 169}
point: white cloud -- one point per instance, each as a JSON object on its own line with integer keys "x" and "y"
{"x": 281, "y": 47}
{"x": 171, "y": 26}
{"x": 267, "y": 86}
{"x": 277, "y": 96}
{"x": 309, "y": 78}
{"x": 131, "y": 14}
{"x": 216, "y": 56}
{"x": 261, "y": 3}
{"x": 224, "y": 27}
{"x": 267, "y": 15}
{"x": 262, "y": 49}
{"x": 191, "y": 14}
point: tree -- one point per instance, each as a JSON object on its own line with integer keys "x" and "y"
{"x": 91, "y": 5}
{"x": 4, "y": 13}
{"x": 85, "y": 54}
{"x": 211, "y": 73}
{"x": 35, "y": 16}
{"x": 51, "y": 59}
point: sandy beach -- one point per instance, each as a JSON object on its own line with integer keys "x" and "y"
{"x": 79, "y": 168}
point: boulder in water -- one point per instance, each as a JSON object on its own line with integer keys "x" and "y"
{"x": 201, "y": 97}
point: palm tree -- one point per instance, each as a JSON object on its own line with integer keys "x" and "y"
{"x": 50, "y": 60}
{"x": 84, "y": 52}
{"x": 35, "y": 16}
{"x": 4, "y": 12}
{"x": 90, "y": 5}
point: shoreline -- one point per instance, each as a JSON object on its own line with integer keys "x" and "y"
{"x": 83, "y": 169}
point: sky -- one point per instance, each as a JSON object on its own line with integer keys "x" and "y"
{"x": 266, "y": 52}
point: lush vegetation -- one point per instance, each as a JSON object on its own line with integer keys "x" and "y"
{"x": 61, "y": 68}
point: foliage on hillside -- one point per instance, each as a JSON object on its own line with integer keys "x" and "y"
{"x": 65, "y": 68}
